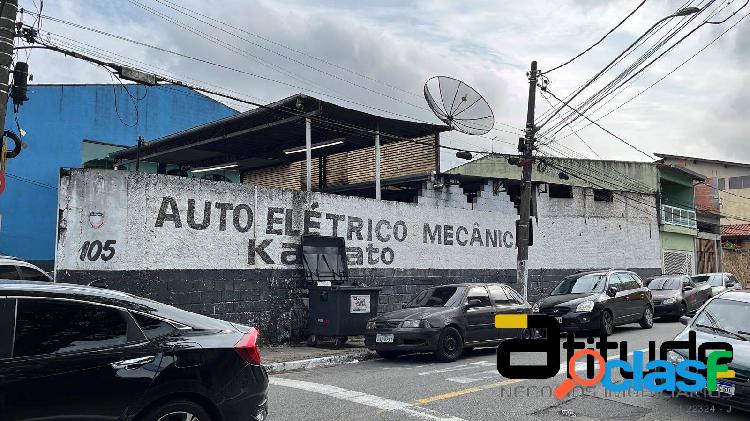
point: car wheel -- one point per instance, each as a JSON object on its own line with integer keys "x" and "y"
{"x": 388, "y": 355}
{"x": 647, "y": 321}
{"x": 606, "y": 324}
{"x": 178, "y": 410}
{"x": 450, "y": 345}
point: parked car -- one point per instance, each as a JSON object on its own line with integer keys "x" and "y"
{"x": 677, "y": 295}
{"x": 723, "y": 319}
{"x": 446, "y": 320}
{"x": 599, "y": 301}
{"x": 719, "y": 282}
{"x": 16, "y": 269}
{"x": 70, "y": 352}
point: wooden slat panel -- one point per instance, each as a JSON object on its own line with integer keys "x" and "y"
{"x": 397, "y": 159}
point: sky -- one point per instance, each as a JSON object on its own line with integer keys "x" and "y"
{"x": 376, "y": 56}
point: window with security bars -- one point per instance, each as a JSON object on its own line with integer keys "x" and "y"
{"x": 678, "y": 262}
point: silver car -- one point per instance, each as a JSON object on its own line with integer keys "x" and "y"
{"x": 719, "y": 281}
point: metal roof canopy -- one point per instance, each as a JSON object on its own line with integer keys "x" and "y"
{"x": 259, "y": 137}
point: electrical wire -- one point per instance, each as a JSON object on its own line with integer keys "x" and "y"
{"x": 294, "y": 50}
{"x": 683, "y": 63}
{"x": 598, "y": 42}
{"x": 603, "y": 128}
{"x": 681, "y": 24}
{"x": 292, "y": 59}
{"x": 613, "y": 85}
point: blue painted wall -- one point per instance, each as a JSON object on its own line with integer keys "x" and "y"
{"x": 57, "y": 118}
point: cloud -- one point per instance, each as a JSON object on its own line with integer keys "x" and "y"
{"x": 701, "y": 109}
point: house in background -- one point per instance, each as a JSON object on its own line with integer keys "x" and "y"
{"x": 678, "y": 221}
{"x": 78, "y": 126}
{"x": 722, "y": 202}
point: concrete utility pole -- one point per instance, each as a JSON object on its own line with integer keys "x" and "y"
{"x": 526, "y": 147}
{"x": 7, "y": 35}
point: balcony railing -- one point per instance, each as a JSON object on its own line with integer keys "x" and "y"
{"x": 682, "y": 217}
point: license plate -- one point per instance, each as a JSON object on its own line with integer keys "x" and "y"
{"x": 725, "y": 388}
{"x": 384, "y": 338}
{"x": 559, "y": 319}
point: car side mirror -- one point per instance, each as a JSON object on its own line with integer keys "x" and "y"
{"x": 685, "y": 320}
{"x": 612, "y": 291}
{"x": 687, "y": 287}
{"x": 473, "y": 303}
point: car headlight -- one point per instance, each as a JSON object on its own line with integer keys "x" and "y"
{"x": 370, "y": 325}
{"x": 415, "y": 323}
{"x": 670, "y": 300}
{"x": 535, "y": 308}
{"x": 585, "y": 306}
{"x": 674, "y": 357}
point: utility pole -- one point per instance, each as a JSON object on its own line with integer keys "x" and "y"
{"x": 526, "y": 147}
{"x": 7, "y": 36}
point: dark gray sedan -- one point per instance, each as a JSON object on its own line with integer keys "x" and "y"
{"x": 446, "y": 320}
{"x": 677, "y": 295}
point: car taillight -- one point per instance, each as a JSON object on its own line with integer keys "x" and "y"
{"x": 247, "y": 346}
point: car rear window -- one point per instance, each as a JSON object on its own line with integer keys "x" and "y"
{"x": 152, "y": 327}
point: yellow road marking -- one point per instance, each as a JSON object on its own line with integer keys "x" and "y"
{"x": 461, "y": 392}
{"x": 449, "y": 395}
{"x": 511, "y": 321}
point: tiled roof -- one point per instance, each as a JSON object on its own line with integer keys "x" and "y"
{"x": 736, "y": 230}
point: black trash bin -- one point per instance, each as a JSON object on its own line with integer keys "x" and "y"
{"x": 337, "y": 308}
{"x": 341, "y": 311}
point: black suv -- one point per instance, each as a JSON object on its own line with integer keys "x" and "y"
{"x": 69, "y": 352}
{"x": 599, "y": 300}
{"x": 446, "y": 320}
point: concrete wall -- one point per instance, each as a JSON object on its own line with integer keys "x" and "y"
{"x": 613, "y": 175}
{"x": 57, "y": 118}
{"x": 231, "y": 250}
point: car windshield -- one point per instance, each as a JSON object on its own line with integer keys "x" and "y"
{"x": 665, "y": 283}
{"x": 438, "y": 297}
{"x": 585, "y": 284}
{"x": 725, "y": 315}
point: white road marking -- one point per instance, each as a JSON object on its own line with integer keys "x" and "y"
{"x": 460, "y": 367}
{"x": 482, "y": 375}
{"x": 363, "y": 399}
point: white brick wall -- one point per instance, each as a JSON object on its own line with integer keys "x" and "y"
{"x": 571, "y": 233}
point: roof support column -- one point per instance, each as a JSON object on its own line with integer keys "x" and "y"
{"x": 377, "y": 165}
{"x": 308, "y": 152}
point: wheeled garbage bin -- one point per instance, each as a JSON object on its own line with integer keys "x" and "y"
{"x": 341, "y": 311}
{"x": 337, "y": 308}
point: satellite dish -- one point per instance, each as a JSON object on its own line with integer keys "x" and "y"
{"x": 458, "y": 105}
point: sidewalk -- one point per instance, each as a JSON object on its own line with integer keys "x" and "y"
{"x": 299, "y": 356}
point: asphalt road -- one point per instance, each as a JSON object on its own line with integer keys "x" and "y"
{"x": 416, "y": 387}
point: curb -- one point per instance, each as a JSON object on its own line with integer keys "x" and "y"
{"x": 330, "y": 361}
